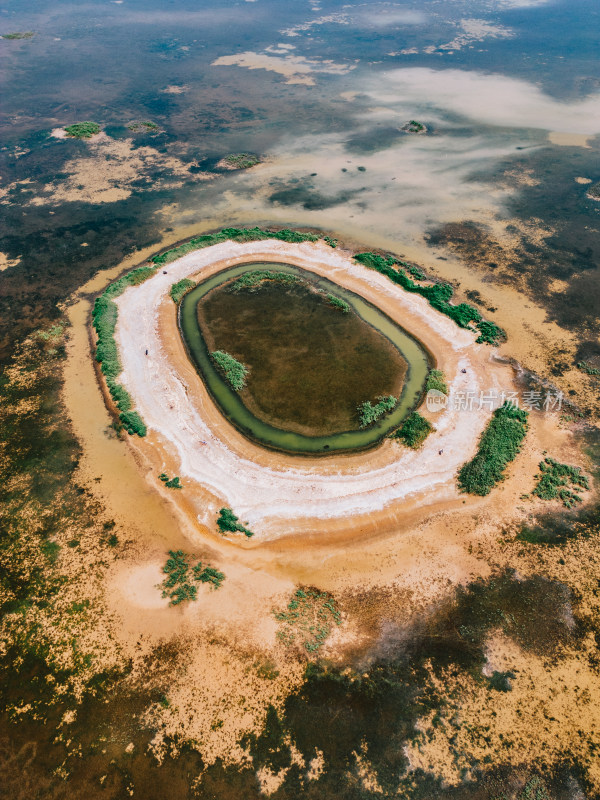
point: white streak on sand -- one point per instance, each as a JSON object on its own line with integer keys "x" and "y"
{"x": 308, "y": 488}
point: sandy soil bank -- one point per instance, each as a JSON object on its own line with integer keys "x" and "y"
{"x": 273, "y": 492}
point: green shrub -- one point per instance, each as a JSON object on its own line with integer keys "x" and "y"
{"x": 330, "y": 241}
{"x": 83, "y": 130}
{"x": 233, "y": 370}
{"x": 227, "y": 521}
{"x": 133, "y": 423}
{"x": 251, "y": 280}
{"x": 558, "y": 480}
{"x": 369, "y": 413}
{"x": 338, "y": 303}
{"x": 436, "y": 380}
{"x": 414, "y": 430}
{"x": 174, "y": 483}
{"x": 498, "y": 446}
{"x": 438, "y": 295}
{"x": 180, "y": 288}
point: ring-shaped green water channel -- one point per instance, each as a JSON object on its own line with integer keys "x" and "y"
{"x": 229, "y": 402}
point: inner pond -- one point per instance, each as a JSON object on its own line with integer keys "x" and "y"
{"x": 314, "y": 352}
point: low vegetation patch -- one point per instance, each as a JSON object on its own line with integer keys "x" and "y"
{"x": 308, "y": 619}
{"x": 256, "y": 278}
{"x": 19, "y": 35}
{"x": 240, "y": 161}
{"x": 438, "y": 295}
{"x": 227, "y": 521}
{"x": 557, "y": 480}
{"x": 413, "y": 126}
{"x": 170, "y": 483}
{"x": 338, "y": 303}
{"x": 436, "y": 380}
{"x": 104, "y": 320}
{"x": 144, "y": 126}
{"x": 183, "y": 577}
{"x": 369, "y": 413}
{"x": 233, "y": 371}
{"x": 414, "y": 430}
{"x": 180, "y": 288}
{"x": 83, "y": 130}
{"x": 498, "y": 446}
{"x": 330, "y": 241}
{"x": 233, "y": 235}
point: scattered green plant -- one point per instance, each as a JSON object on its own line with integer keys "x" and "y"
{"x": 498, "y": 446}
{"x": 369, "y": 414}
{"x": 180, "y": 288}
{"x": 308, "y": 619}
{"x": 436, "y": 380}
{"x": 233, "y": 371}
{"x": 338, "y": 303}
{"x": 330, "y": 241}
{"x": 182, "y": 577}
{"x": 227, "y": 521}
{"x": 83, "y": 130}
{"x": 414, "y": 430}
{"x": 256, "y": 278}
{"x": 588, "y": 368}
{"x": 438, "y": 295}
{"x": 133, "y": 423}
{"x": 557, "y": 480}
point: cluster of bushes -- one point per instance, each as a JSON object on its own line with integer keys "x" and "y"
{"x": 369, "y": 413}
{"x": 83, "y": 130}
{"x": 234, "y": 235}
{"x": 170, "y": 483}
{"x": 498, "y": 446}
{"x": 182, "y": 578}
{"x": 330, "y": 241}
{"x": 436, "y": 380}
{"x": 414, "y": 430}
{"x": 438, "y": 295}
{"x": 227, "y": 521}
{"x": 557, "y": 480}
{"x": 104, "y": 320}
{"x": 233, "y": 370}
{"x": 308, "y": 619}
{"x": 180, "y": 288}
{"x": 250, "y": 280}
{"x": 338, "y": 303}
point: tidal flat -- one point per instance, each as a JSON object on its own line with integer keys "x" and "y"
{"x": 382, "y": 633}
